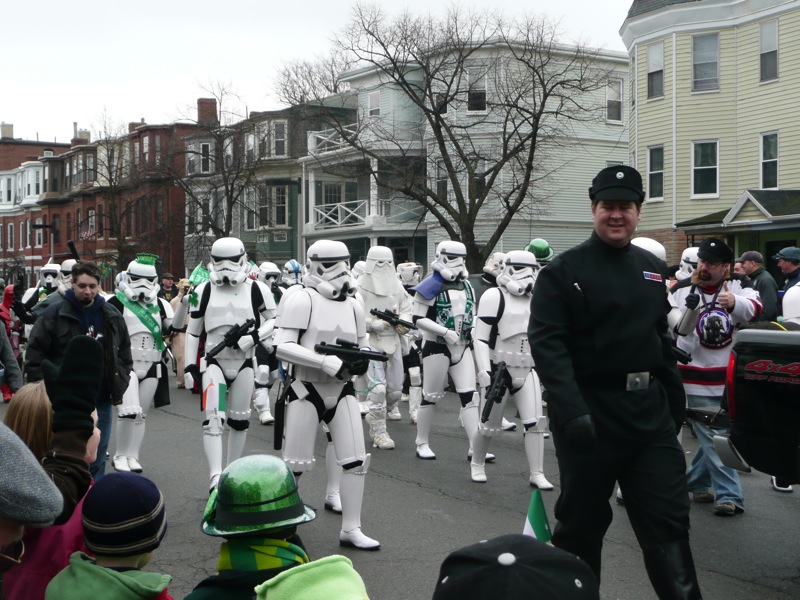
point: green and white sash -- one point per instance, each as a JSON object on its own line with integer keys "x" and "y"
{"x": 145, "y": 315}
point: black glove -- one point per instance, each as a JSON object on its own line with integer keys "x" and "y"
{"x": 356, "y": 367}
{"x": 22, "y": 313}
{"x": 692, "y": 300}
{"x": 73, "y": 387}
{"x": 194, "y": 371}
{"x": 580, "y": 434}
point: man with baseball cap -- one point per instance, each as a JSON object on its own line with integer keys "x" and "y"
{"x": 789, "y": 264}
{"x": 762, "y": 282}
{"x": 598, "y": 334}
{"x": 715, "y": 305}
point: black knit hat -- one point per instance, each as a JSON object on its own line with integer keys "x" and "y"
{"x": 123, "y": 515}
{"x": 515, "y": 566}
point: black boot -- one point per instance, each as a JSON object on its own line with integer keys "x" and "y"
{"x": 671, "y": 571}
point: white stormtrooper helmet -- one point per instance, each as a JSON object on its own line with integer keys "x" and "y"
{"x": 329, "y": 270}
{"x": 140, "y": 283}
{"x": 519, "y": 272}
{"x": 688, "y": 263}
{"x": 50, "y": 277}
{"x": 292, "y": 273}
{"x": 652, "y": 246}
{"x": 379, "y": 258}
{"x": 379, "y": 276}
{"x": 494, "y": 264}
{"x": 358, "y": 269}
{"x": 228, "y": 265}
{"x": 409, "y": 273}
{"x": 791, "y": 304}
{"x": 449, "y": 261}
{"x": 268, "y": 273}
{"x": 118, "y": 280}
{"x": 66, "y": 271}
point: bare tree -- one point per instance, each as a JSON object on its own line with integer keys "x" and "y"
{"x": 492, "y": 99}
{"x": 303, "y": 81}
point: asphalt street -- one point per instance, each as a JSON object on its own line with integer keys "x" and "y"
{"x": 422, "y": 510}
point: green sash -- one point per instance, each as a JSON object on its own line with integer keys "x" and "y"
{"x": 145, "y": 315}
{"x": 444, "y": 313}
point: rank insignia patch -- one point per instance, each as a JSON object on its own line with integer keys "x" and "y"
{"x": 652, "y": 276}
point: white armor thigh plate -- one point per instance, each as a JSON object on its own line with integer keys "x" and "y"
{"x": 227, "y": 306}
{"x": 329, "y": 320}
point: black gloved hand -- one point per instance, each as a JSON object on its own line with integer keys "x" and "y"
{"x": 692, "y": 300}
{"x": 73, "y": 387}
{"x": 580, "y": 434}
{"x": 194, "y": 371}
{"x": 356, "y": 367}
{"x": 21, "y": 312}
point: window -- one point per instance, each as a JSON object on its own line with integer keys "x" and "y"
{"x": 205, "y": 158}
{"x": 146, "y": 149}
{"x": 614, "y": 100}
{"x": 769, "y": 50}
{"x": 332, "y": 193}
{"x": 9, "y": 187}
{"x": 38, "y": 182}
{"x": 705, "y": 174}
{"x": 22, "y": 236}
{"x": 136, "y": 152}
{"x": 655, "y": 172}
{"x": 69, "y": 226}
{"x": 374, "y": 101}
{"x": 191, "y": 159}
{"x": 281, "y": 205}
{"x": 440, "y": 103}
{"x": 158, "y": 149}
{"x": 91, "y": 222}
{"x": 705, "y": 61}
{"x": 476, "y": 99}
{"x": 10, "y": 236}
{"x": 477, "y": 187}
{"x": 55, "y": 229}
{"x": 250, "y": 146}
{"x": 90, "y": 172}
{"x": 441, "y": 180}
{"x": 280, "y": 139}
{"x": 38, "y": 240}
{"x": 769, "y": 161}
{"x": 655, "y": 70}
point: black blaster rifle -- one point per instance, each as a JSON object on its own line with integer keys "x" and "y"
{"x": 231, "y": 337}
{"x": 280, "y": 410}
{"x": 354, "y": 358}
{"x": 496, "y": 391}
{"x": 391, "y": 318}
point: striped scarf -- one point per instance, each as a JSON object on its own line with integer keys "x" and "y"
{"x": 259, "y": 554}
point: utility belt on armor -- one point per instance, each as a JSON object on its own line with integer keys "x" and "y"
{"x": 629, "y": 382}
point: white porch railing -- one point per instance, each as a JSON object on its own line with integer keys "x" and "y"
{"x": 355, "y": 213}
{"x": 328, "y": 140}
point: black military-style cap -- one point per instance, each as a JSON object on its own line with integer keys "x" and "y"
{"x": 714, "y": 250}
{"x": 619, "y": 182}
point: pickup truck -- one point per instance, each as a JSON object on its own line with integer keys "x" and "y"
{"x": 763, "y": 403}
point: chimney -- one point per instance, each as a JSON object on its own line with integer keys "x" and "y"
{"x": 79, "y": 137}
{"x": 6, "y": 131}
{"x": 207, "y": 111}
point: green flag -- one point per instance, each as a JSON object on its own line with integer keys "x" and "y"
{"x": 536, "y": 524}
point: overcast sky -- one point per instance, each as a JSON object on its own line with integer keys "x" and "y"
{"x": 65, "y": 62}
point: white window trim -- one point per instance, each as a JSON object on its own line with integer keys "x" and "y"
{"x": 692, "y": 195}
{"x": 719, "y": 83}
{"x": 285, "y": 139}
{"x": 761, "y": 161}
{"x": 484, "y": 75}
{"x": 38, "y": 236}
{"x": 10, "y": 237}
{"x": 777, "y": 51}
{"x": 274, "y": 212}
{"x": 374, "y": 111}
{"x": 663, "y": 74}
{"x": 649, "y": 172}
{"x": 620, "y": 87}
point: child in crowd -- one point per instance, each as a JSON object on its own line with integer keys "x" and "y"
{"x": 124, "y": 521}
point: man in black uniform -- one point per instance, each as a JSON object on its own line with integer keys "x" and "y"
{"x": 598, "y": 335}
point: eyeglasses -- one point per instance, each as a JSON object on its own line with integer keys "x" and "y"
{"x": 14, "y": 557}
{"x": 710, "y": 264}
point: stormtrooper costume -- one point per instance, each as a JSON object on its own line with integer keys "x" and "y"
{"x": 444, "y": 310}
{"x": 148, "y": 319}
{"x": 324, "y": 311}
{"x": 379, "y": 288}
{"x": 410, "y": 274}
{"x": 292, "y": 274}
{"x": 50, "y": 282}
{"x": 228, "y": 298}
{"x": 657, "y": 248}
{"x": 688, "y": 264}
{"x": 501, "y": 335}
{"x": 266, "y": 365}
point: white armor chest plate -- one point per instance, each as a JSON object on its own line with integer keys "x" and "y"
{"x": 227, "y": 306}
{"x": 329, "y": 320}
{"x": 512, "y": 345}
{"x": 143, "y": 344}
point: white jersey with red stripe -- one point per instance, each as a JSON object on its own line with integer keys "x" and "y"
{"x": 711, "y": 340}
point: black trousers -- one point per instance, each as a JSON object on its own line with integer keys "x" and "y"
{"x": 652, "y": 477}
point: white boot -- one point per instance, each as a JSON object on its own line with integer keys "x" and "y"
{"x": 394, "y": 414}
{"x": 333, "y": 502}
{"x": 125, "y": 435}
{"x": 478, "y": 463}
{"x": 352, "y": 493}
{"x": 424, "y": 423}
{"x": 508, "y": 425}
{"x": 261, "y": 404}
{"x": 534, "y": 449}
{"x": 212, "y": 445}
{"x": 137, "y": 437}
{"x": 414, "y": 400}
{"x": 236, "y": 440}
{"x": 377, "y": 430}
{"x": 470, "y": 419}
{"x": 478, "y": 472}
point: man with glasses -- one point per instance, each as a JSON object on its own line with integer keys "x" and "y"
{"x": 713, "y": 306}
{"x": 85, "y": 312}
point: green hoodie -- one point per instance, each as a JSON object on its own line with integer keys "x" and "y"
{"x": 84, "y": 580}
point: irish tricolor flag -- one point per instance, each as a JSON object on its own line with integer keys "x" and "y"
{"x": 536, "y": 524}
